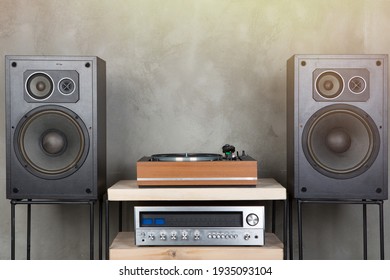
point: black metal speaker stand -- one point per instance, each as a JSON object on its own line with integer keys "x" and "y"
{"x": 29, "y": 203}
{"x": 363, "y": 202}
{"x": 107, "y": 225}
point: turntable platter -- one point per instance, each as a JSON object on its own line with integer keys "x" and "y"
{"x": 186, "y": 157}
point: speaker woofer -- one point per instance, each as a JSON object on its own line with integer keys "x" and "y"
{"x": 39, "y": 86}
{"x": 340, "y": 141}
{"x": 51, "y": 142}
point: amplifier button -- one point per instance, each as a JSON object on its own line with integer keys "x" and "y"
{"x": 247, "y": 236}
{"x": 209, "y": 236}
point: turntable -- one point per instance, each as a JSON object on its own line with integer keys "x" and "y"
{"x": 197, "y": 169}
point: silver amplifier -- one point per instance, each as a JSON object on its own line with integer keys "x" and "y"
{"x": 199, "y": 226}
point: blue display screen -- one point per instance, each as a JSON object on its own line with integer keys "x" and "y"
{"x": 191, "y": 219}
{"x": 151, "y": 221}
{"x": 159, "y": 221}
{"x": 147, "y": 221}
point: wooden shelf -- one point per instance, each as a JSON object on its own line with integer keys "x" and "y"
{"x": 123, "y": 248}
{"x": 128, "y": 190}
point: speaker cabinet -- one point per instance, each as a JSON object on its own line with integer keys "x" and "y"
{"x": 55, "y": 127}
{"x": 337, "y": 126}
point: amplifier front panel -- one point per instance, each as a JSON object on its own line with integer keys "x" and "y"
{"x": 199, "y": 226}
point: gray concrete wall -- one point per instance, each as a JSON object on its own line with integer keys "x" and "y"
{"x": 191, "y": 76}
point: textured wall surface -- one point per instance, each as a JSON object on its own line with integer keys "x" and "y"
{"x": 191, "y": 76}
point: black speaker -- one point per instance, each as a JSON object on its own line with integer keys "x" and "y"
{"x": 55, "y": 127}
{"x": 337, "y": 126}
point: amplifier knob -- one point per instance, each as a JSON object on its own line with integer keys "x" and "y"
{"x": 151, "y": 236}
{"x": 196, "y": 235}
{"x": 184, "y": 235}
{"x": 252, "y": 219}
{"x": 163, "y": 236}
{"x": 209, "y": 236}
{"x": 247, "y": 236}
{"x": 173, "y": 235}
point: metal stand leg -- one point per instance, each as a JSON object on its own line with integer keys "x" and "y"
{"x": 107, "y": 230}
{"x": 120, "y": 216}
{"x": 290, "y": 225}
{"x": 381, "y": 231}
{"x": 29, "y": 230}
{"x": 100, "y": 202}
{"x": 12, "y": 229}
{"x": 91, "y": 225}
{"x": 364, "y": 231}
{"x": 300, "y": 245}
{"x": 273, "y": 219}
{"x": 285, "y": 226}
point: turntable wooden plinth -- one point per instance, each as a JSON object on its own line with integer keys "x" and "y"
{"x": 197, "y": 173}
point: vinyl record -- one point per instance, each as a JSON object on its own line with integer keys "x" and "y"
{"x": 186, "y": 157}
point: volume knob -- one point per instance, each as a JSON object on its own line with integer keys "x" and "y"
{"x": 196, "y": 235}
{"x": 151, "y": 236}
{"x": 173, "y": 235}
{"x": 252, "y": 219}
